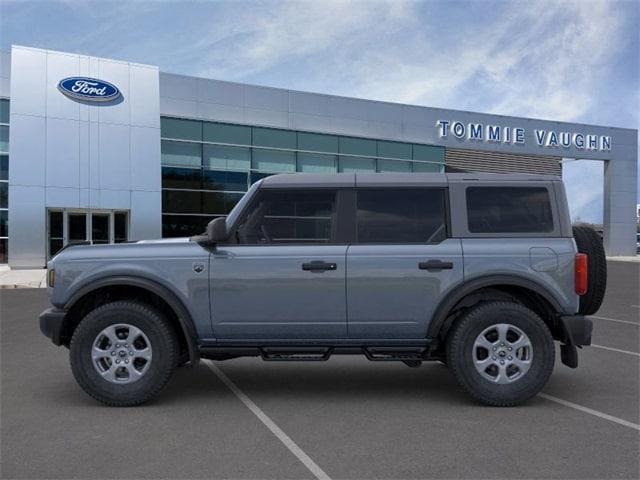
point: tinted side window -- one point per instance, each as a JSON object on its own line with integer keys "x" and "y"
{"x": 289, "y": 216}
{"x": 401, "y": 215}
{"x": 509, "y": 210}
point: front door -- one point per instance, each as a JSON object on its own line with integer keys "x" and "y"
{"x": 401, "y": 263}
{"x": 283, "y": 277}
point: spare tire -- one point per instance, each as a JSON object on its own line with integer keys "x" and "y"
{"x": 588, "y": 241}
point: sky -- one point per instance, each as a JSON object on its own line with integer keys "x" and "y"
{"x": 558, "y": 60}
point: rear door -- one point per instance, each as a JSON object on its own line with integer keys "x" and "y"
{"x": 401, "y": 262}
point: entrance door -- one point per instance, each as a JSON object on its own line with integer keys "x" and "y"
{"x": 284, "y": 278}
{"x": 66, "y": 227}
{"x": 401, "y": 263}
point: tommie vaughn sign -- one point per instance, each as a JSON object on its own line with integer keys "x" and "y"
{"x": 88, "y": 89}
{"x": 479, "y": 132}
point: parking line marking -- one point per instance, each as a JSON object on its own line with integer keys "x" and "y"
{"x": 590, "y": 411}
{"x": 270, "y": 424}
{"x": 616, "y": 320}
{"x": 615, "y": 350}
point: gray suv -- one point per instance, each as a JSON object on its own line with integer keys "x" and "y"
{"x": 479, "y": 272}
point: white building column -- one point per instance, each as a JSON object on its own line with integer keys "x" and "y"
{"x": 620, "y": 199}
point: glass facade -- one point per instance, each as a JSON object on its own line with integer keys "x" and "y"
{"x": 207, "y": 166}
{"x": 4, "y": 180}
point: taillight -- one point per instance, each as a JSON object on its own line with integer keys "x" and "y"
{"x": 582, "y": 273}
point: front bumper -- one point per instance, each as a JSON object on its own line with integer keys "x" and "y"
{"x": 51, "y": 324}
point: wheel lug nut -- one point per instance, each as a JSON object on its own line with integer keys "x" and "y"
{"x": 494, "y": 357}
{"x": 501, "y": 362}
{"x": 510, "y": 357}
{"x": 510, "y": 348}
{"x": 130, "y": 352}
{"x": 117, "y": 345}
{"x": 126, "y": 360}
{"x": 117, "y": 361}
{"x": 494, "y": 349}
{"x": 113, "y": 353}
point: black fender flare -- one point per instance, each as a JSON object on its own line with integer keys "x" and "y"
{"x": 184, "y": 317}
{"x": 458, "y": 293}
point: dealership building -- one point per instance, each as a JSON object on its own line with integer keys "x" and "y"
{"x": 106, "y": 151}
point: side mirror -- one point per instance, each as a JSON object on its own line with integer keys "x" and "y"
{"x": 217, "y": 230}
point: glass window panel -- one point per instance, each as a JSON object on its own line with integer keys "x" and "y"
{"x": 255, "y": 176}
{"x": 271, "y": 137}
{"x": 357, "y": 164}
{"x": 173, "y": 177}
{"x": 4, "y": 221}
{"x": 77, "y": 225}
{"x": 509, "y": 210}
{"x": 55, "y": 224}
{"x": 120, "y": 227}
{"x": 180, "y": 153}
{"x": 316, "y": 163}
{"x": 178, "y": 128}
{"x": 4, "y": 194}
{"x": 274, "y": 160}
{"x": 4, "y": 251}
{"x": 4, "y": 139}
{"x": 225, "y": 133}
{"x": 358, "y": 146}
{"x": 178, "y": 201}
{"x": 184, "y": 225}
{"x": 401, "y": 215}
{"x": 55, "y": 245}
{"x": 428, "y": 153}
{"x": 394, "y": 150}
{"x": 4, "y": 167}
{"x": 317, "y": 142}
{"x": 286, "y": 216}
{"x": 100, "y": 228}
{"x": 217, "y": 180}
{"x": 393, "y": 166}
{"x": 427, "y": 167}
{"x": 219, "y": 203}
{"x": 232, "y": 158}
{"x": 4, "y": 111}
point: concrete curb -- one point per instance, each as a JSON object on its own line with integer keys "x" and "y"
{"x": 10, "y": 279}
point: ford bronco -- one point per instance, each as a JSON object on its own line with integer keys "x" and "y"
{"x": 481, "y": 272}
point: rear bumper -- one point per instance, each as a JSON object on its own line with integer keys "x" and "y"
{"x": 51, "y": 323}
{"x": 576, "y": 330}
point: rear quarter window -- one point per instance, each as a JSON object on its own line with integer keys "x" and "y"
{"x": 509, "y": 210}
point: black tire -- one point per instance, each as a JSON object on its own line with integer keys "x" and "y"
{"x": 588, "y": 241}
{"x": 154, "y": 325}
{"x": 460, "y": 350}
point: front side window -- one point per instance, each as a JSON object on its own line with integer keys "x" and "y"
{"x": 401, "y": 215}
{"x": 289, "y": 217}
{"x": 509, "y": 210}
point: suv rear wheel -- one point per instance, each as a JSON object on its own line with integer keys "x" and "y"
{"x": 502, "y": 353}
{"x": 123, "y": 353}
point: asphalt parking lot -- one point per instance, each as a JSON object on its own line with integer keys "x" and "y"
{"x": 346, "y": 418}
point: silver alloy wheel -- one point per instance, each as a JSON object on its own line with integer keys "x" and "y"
{"x": 121, "y": 353}
{"x": 502, "y": 353}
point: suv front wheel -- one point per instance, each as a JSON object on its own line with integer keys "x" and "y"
{"x": 502, "y": 353}
{"x": 123, "y": 353}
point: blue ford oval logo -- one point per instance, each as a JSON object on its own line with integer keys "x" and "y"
{"x": 89, "y": 89}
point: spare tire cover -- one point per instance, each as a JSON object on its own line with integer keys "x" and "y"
{"x": 589, "y": 242}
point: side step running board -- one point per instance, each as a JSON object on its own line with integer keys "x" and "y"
{"x": 287, "y": 354}
{"x": 394, "y": 354}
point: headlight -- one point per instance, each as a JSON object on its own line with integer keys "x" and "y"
{"x": 51, "y": 277}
